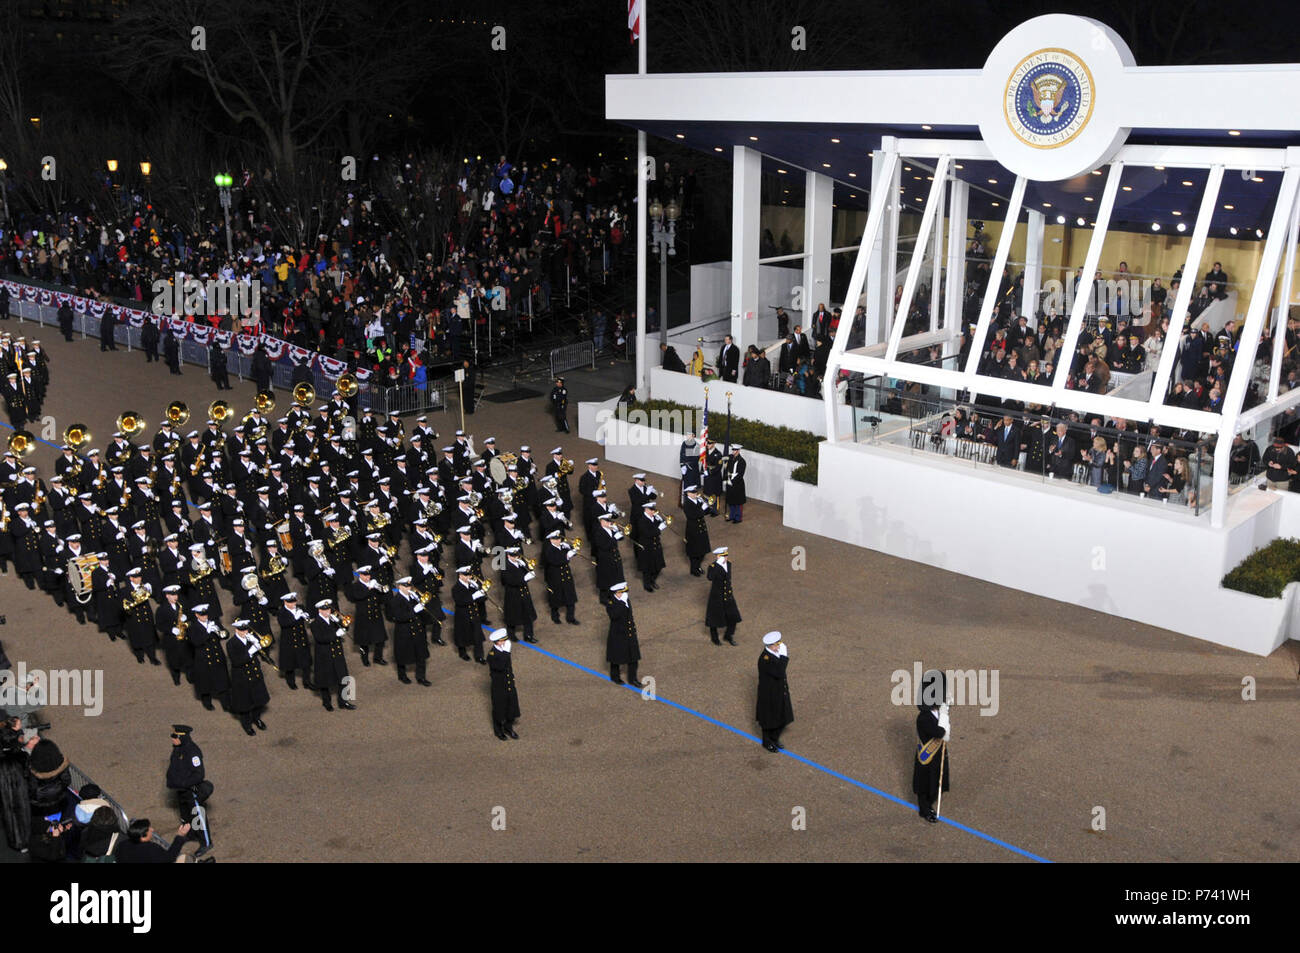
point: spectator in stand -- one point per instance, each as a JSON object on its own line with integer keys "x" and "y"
{"x": 1216, "y": 282}
{"x": 671, "y": 361}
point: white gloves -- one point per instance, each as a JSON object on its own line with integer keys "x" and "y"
{"x": 480, "y": 594}
{"x": 529, "y": 576}
{"x": 570, "y": 554}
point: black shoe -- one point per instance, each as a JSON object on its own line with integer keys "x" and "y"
{"x": 154, "y": 661}
{"x": 616, "y": 680}
{"x": 779, "y": 746}
{"x": 348, "y": 705}
{"x": 439, "y": 642}
{"x": 512, "y": 733}
{"x": 715, "y": 640}
{"x": 261, "y": 725}
{"x": 207, "y": 703}
{"x": 365, "y": 659}
{"x": 730, "y": 640}
{"x": 403, "y": 679}
{"x": 771, "y": 747}
{"x": 306, "y": 683}
{"x": 328, "y": 706}
{"x": 176, "y": 678}
{"x": 572, "y": 621}
{"x": 501, "y": 735}
{"x": 555, "y": 617}
{"x": 697, "y": 572}
{"x": 531, "y": 639}
{"x": 203, "y": 850}
{"x": 424, "y": 681}
{"x": 248, "y": 730}
{"x": 380, "y": 660}
{"x": 481, "y": 661}
{"x": 293, "y": 684}
{"x": 932, "y": 817}
{"x": 464, "y": 656}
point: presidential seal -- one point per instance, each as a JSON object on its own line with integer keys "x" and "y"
{"x": 1049, "y": 98}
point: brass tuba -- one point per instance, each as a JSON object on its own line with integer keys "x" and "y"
{"x": 177, "y": 413}
{"x": 130, "y": 423}
{"x": 219, "y": 411}
{"x": 265, "y": 402}
{"x": 304, "y": 394}
{"x": 21, "y": 443}
{"x": 347, "y": 385}
{"x": 76, "y": 436}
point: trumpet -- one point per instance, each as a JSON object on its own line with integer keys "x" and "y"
{"x": 425, "y": 599}
{"x": 391, "y": 550}
{"x": 531, "y": 564}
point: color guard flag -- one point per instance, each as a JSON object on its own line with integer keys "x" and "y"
{"x": 634, "y": 19}
{"x": 704, "y": 436}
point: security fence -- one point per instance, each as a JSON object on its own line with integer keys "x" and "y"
{"x": 570, "y": 356}
{"x": 80, "y": 779}
{"x": 401, "y": 398}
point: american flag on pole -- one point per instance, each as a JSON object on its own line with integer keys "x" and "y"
{"x": 704, "y": 435}
{"x": 634, "y": 19}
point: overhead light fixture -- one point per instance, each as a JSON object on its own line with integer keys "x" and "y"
{"x": 753, "y": 138}
{"x": 854, "y": 195}
{"x": 917, "y": 178}
{"x": 959, "y": 165}
{"x": 836, "y": 141}
{"x": 1176, "y": 212}
{"x": 780, "y": 171}
{"x": 1230, "y": 207}
{"x": 1080, "y": 221}
{"x": 112, "y": 165}
{"x": 907, "y": 168}
{"x": 1187, "y": 182}
{"x": 1047, "y": 205}
{"x": 993, "y": 181}
{"x": 853, "y": 175}
{"x": 925, "y": 127}
{"x": 717, "y": 148}
{"x": 1182, "y": 226}
{"x": 1096, "y": 171}
{"x": 1089, "y": 198}
{"x": 994, "y": 204}
{"x": 1127, "y": 188}
{"x": 1159, "y": 168}
{"x": 1060, "y": 220}
{"x": 1232, "y": 229}
{"x": 1257, "y": 178}
{"x": 1234, "y": 132}
{"x": 1155, "y": 226}
{"x": 871, "y": 155}
{"x": 826, "y": 165}
{"x": 681, "y": 135}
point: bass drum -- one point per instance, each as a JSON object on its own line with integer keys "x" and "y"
{"x": 497, "y": 470}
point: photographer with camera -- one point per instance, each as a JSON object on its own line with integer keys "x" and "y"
{"x": 185, "y": 776}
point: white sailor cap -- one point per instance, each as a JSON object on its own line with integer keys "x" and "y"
{"x": 247, "y": 569}
{"x": 448, "y": 450}
{"x": 171, "y": 589}
{"x": 598, "y": 493}
{"x": 555, "y": 534}
{"x": 490, "y": 440}
{"x": 101, "y": 556}
{"x": 593, "y": 461}
{"x": 237, "y": 522}
{"x": 426, "y": 550}
{"x": 462, "y": 570}
{"x": 324, "y": 604}
{"x": 720, "y": 551}
{"x": 638, "y": 476}
{"x": 27, "y": 506}
{"x": 49, "y": 523}
{"x": 772, "y": 638}
{"x": 289, "y": 597}
{"x": 404, "y": 581}
{"x": 525, "y": 449}
{"x": 205, "y": 505}
{"x": 557, "y": 451}
{"x": 618, "y": 587}
{"x": 29, "y": 469}
{"x": 169, "y": 537}
{"x": 460, "y": 433}
{"x": 138, "y": 524}
{"x": 115, "y": 470}
{"x": 241, "y": 624}
{"x": 462, "y": 530}
{"x": 263, "y": 489}
{"x": 553, "y": 501}
{"x": 374, "y": 536}
{"x": 649, "y": 505}
{"x": 196, "y": 547}
{"x": 200, "y": 609}
{"x": 111, "y": 511}
{"x": 168, "y": 456}
{"x": 692, "y": 489}
{"x": 364, "y": 571}
{"x": 135, "y": 571}
{"x": 509, "y": 517}
{"x": 498, "y": 635}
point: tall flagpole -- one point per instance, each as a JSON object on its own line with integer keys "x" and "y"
{"x": 642, "y": 375}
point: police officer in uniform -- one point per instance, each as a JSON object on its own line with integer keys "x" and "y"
{"x": 186, "y": 775}
{"x": 560, "y": 405}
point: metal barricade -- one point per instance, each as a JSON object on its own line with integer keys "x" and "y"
{"x": 570, "y": 356}
{"x": 80, "y": 779}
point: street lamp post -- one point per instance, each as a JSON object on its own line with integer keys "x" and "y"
{"x": 4, "y": 188}
{"x": 224, "y": 182}
{"x": 663, "y": 238}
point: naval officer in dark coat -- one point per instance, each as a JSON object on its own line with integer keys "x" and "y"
{"x": 930, "y": 771}
{"x": 505, "y": 695}
{"x": 773, "y": 711}
{"x": 621, "y": 644}
{"x": 722, "y": 610}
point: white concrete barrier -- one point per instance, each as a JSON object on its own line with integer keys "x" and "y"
{"x": 753, "y": 403}
{"x": 659, "y": 451}
{"x": 1119, "y": 556}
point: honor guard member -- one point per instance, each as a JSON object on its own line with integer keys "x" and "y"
{"x": 722, "y": 600}
{"x": 609, "y": 561}
{"x": 211, "y": 676}
{"x": 733, "y": 484}
{"x": 248, "y": 693}
{"x": 255, "y": 607}
{"x": 296, "y": 645}
{"x": 621, "y": 644}
{"x": 172, "y": 352}
{"x": 930, "y": 770}
{"x": 560, "y": 405}
{"x": 505, "y": 696}
{"x": 773, "y": 710}
{"x": 712, "y": 484}
{"x": 187, "y": 776}
{"x": 176, "y": 647}
{"x": 467, "y": 630}
{"x": 172, "y": 561}
{"x": 273, "y": 568}
{"x": 689, "y": 457}
{"x": 650, "y": 548}
{"x": 410, "y": 646}
{"x": 588, "y": 484}
{"x": 517, "y": 604}
{"x": 368, "y": 630}
{"x": 560, "y": 590}
{"x": 138, "y": 623}
{"x": 695, "y": 509}
{"x": 331, "y": 665}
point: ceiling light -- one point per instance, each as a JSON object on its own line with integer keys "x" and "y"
{"x": 959, "y": 165}
{"x": 1089, "y": 198}
{"x": 753, "y": 138}
{"x": 1232, "y": 230}
{"x": 1258, "y": 178}
{"x": 854, "y": 195}
{"x": 1176, "y": 212}
{"x": 994, "y": 204}
{"x": 826, "y": 165}
{"x": 871, "y": 155}
{"x": 836, "y": 141}
{"x": 1047, "y": 205}
{"x": 1159, "y": 168}
{"x": 1080, "y": 221}
{"x": 1187, "y": 182}
{"x": 853, "y": 175}
{"x": 1155, "y": 226}
{"x": 1234, "y": 132}
{"x": 993, "y": 181}
{"x": 717, "y": 148}
{"x": 917, "y": 178}
{"x": 1127, "y": 188}
{"x": 1182, "y": 226}
{"x": 780, "y": 171}
{"x": 1060, "y": 220}
{"x": 681, "y": 135}
{"x": 1230, "y": 207}
{"x": 925, "y": 127}
{"x": 1096, "y": 171}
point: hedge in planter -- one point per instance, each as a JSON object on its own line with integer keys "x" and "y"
{"x": 784, "y": 442}
{"x": 1267, "y": 571}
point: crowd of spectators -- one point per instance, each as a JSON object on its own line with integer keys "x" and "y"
{"x": 367, "y": 289}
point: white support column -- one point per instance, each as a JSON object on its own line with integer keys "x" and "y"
{"x": 884, "y": 253}
{"x": 995, "y": 278}
{"x": 861, "y": 267}
{"x": 929, "y": 221}
{"x": 746, "y": 172}
{"x": 1260, "y": 299}
{"x": 1066, "y": 355}
{"x": 642, "y": 175}
{"x": 954, "y": 294}
{"x": 936, "y": 256}
{"x": 819, "y": 207}
{"x": 1279, "y": 332}
{"x": 1191, "y": 268}
{"x": 1034, "y": 238}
